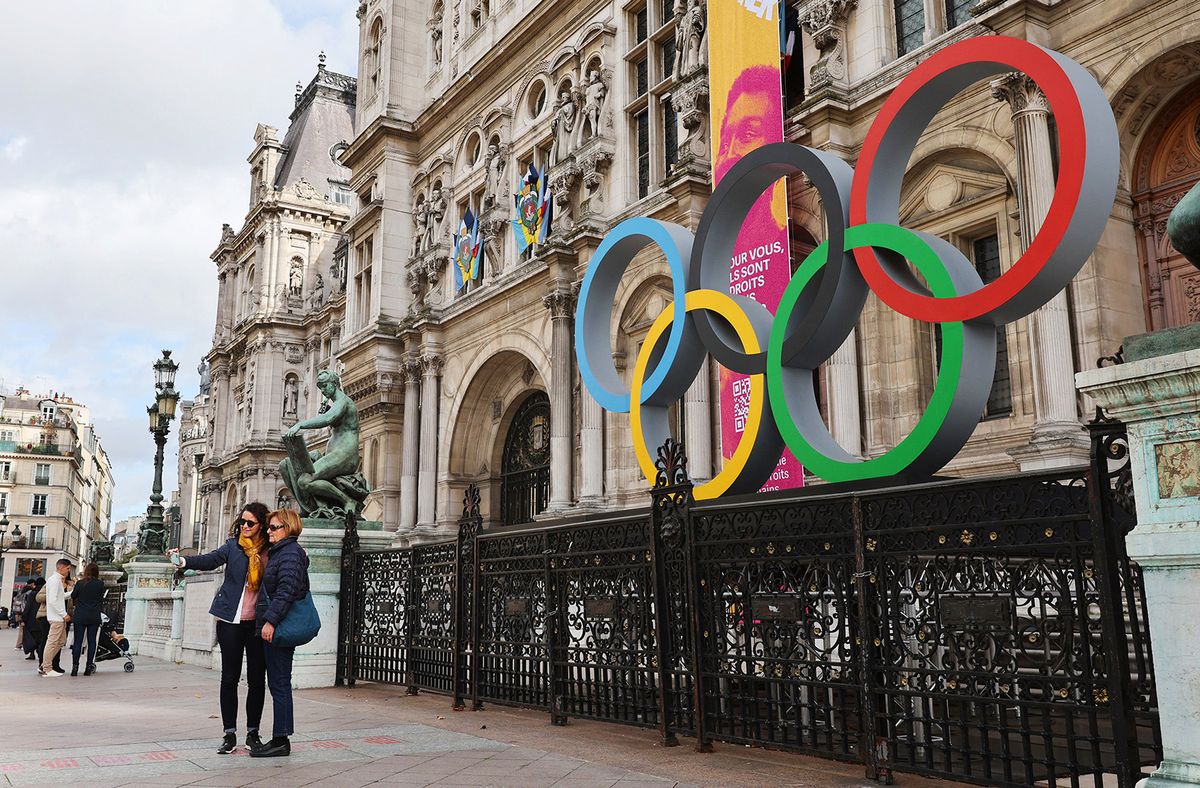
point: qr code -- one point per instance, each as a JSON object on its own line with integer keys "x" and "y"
{"x": 739, "y": 424}
{"x": 741, "y": 387}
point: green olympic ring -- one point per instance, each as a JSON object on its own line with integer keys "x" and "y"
{"x": 921, "y": 451}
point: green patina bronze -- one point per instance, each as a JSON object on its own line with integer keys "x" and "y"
{"x": 1183, "y": 226}
{"x": 326, "y": 485}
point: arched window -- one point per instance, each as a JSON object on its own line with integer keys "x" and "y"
{"x": 373, "y": 479}
{"x": 525, "y": 464}
{"x": 374, "y": 55}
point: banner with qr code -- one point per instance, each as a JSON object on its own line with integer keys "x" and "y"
{"x": 746, "y": 106}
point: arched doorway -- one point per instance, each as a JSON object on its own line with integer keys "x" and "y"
{"x": 525, "y": 464}
{"x": 1167, "y": 166}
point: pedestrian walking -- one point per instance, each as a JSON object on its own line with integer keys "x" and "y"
{"x": 88, "y": 596}
{"x": 35, "y": 636}
{"x": 285, "y": 585}
{"x": 57, "y": 616}
{"x": 244, "y": 556}
{"x": 18, "y": 614}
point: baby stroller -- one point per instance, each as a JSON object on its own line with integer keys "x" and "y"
{"x": 112, "y": 644}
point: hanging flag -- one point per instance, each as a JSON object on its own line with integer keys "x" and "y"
{"x": 468, "y": 251}
{"x": 532, "y": 198}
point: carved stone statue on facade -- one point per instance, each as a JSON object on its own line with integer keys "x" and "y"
{"x": 205, "y": 373}
{"x": 326, "y": 485}
{"x": 291, "y": 397}
{"x": 437, "y": 211}
{"x": 435, "y": 34}
{"x": 594, "y": 92}
{"x": 494, "y": 188}
{"x": 691, "y": 37}
{"x": 296, "y": 280}
{"x": 101, "y": 552}
{"x": 563, "y": 126}
{"x": 421, "y": 222}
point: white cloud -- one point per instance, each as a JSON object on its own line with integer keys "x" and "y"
{"x": 14, "y": 148}
{"x": 143, "y": 114}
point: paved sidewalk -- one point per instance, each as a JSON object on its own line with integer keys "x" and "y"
{"x": 159, "y": 726}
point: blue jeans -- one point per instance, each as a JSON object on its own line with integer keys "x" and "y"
{"x": 279, "y": 682}
{"x": 89, "y": 630}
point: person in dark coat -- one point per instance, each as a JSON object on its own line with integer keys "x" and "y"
{"x": 244, "y": 556}
{"x": 286, "y": 582}
{"x": 88, "y": 597}
{"x": 35, "y": 625}
{"x": 28, "y": 638}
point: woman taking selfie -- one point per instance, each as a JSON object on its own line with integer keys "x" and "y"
{"x": 286, "y": 590}
{"x": 244, "y": 556}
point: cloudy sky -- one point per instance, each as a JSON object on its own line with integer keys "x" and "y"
{"x": 124, "y": 131}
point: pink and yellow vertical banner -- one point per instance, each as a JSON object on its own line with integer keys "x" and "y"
{"x": 746, "y": 107}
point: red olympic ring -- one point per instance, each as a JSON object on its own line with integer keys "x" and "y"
{"x": 903, "y": 118}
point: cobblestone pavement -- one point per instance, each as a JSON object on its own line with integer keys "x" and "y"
{"x": 159, "y": 726}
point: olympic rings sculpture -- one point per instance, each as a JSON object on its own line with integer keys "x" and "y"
{"x": 865, "y": 251}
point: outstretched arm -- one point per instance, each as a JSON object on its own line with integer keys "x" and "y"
{"x": 335, "y": 413}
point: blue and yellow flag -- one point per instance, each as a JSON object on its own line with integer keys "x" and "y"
{"x": 468, "y": 251}
{"x": 532, "y": 224}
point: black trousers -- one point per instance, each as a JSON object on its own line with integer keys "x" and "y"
{"x": 41, "y": 631}
{"x": 279, "y": 677}
{"x": 89, "y": 629}
{"x": 238, "y": 641}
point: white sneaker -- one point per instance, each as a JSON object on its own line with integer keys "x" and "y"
{"x": 51, "y": 675}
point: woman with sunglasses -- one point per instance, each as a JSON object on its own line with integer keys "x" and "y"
{"x": 244, "y": 556}
{"x": 285, "y": 583}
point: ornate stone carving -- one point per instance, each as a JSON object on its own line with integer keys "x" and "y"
{"x": 691, "y": 38}
{"x": 565, "y": 111}
{"x": 595, "y": 92}
{"x": 825, "y": 20}
{"x": 431, "y": 364}
{"x": 561, "y": 303}
{"x": 1021, "y": 93}
{"x": 689, "y": 99}
{"x": 495, "y": 185}
{"x": 304, "y": 189}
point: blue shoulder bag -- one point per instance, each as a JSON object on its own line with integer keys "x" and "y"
{"x": 300, "y": 625}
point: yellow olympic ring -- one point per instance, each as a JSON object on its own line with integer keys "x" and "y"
{"x": 726, "y": 307}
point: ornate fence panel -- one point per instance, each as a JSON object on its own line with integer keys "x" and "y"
{"x": 513, "y": 637}
{"x": 780, "y": 630}
{"x": 989, "y": 630}
{"x": 605, "y": 651}
{"x": 380, "y": 631}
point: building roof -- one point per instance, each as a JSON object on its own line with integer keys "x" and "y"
{"x": 323, "y": 118}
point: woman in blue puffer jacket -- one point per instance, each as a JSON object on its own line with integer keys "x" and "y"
{"x": 286, "y": 582}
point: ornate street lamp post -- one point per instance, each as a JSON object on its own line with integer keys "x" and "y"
{"x": 4, "y": 531}
{"x": 152, "y": 539}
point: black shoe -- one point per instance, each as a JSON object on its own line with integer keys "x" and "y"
{"x": 253, "y": 741}
{"x": 90, "y": 669}
{"x": 228, "y": 745}
{"x": 75, "y": 669}
{"x": 59, "y": 670}
{"x": 275, "y": 748}
{"x": 31, "y": 656}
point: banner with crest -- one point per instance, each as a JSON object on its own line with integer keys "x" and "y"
{"x": 532, "y": 198}
{"x": 468, "y": 251}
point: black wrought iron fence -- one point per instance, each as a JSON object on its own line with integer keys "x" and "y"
{"x": 989, "y": 630}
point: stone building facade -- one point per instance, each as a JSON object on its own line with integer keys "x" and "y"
{"x": 456, "y": 98}
{"x": 279, "y": 313}
{"x": 56, "y": 485}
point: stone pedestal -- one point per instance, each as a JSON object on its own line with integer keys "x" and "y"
{"x": 1158, "y": 398}
{"x": 153, "y": 611}
{"x": 315, "y": 664}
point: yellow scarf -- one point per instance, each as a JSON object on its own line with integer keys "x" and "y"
{"x": 255, "y": 572}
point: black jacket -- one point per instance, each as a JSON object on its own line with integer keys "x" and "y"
{"x": 89, "y": 598}
{"x": 231, "y": 556}
{"x": 31, "y": 607}
{"x": 285, "y": 580}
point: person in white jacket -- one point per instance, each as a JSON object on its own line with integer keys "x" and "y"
{"x": 56, "y": 615}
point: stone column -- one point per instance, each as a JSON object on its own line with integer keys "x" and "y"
{"x": 591, "y": 444}
{"x": 697, "y": 417}
{"x": 223, "y": 403}
{"x": 561, "y": 303}
{"x": 1158, "y": 398}
{"x": 431, "y": 368}
{"x": 408, "y": 463}
{"x": 841, "y": 378}
{"x": 1057, "y": 440}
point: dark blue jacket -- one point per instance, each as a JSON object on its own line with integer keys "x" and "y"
{"x": 89, "y": 598}
{"x": 285, "y": 580}
{"x": 233, "y": 558}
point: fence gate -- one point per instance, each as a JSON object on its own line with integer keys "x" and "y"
{"x": 988, "y": 630}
